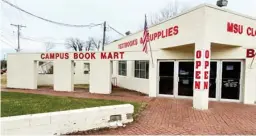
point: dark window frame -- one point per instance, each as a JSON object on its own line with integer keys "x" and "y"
{"x": 141, "y": 69}
{"x": 122, "y": 68}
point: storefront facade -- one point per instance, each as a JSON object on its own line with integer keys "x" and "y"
{"x": 204, "y": 54}
{"x": 228, "y": 38}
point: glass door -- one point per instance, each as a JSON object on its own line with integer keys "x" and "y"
{"x": 213, "y": 83}
{"x": 166, "y": 77}
{"x": 230, "y": 83}
{"x": 186, "y": 78}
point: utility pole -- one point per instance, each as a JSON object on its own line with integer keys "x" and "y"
{"x": 18, "y": 27}
{"x": 104, "y": 35}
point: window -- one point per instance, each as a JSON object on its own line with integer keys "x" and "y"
{"x": 86, "y": 68}
{"x": 141, "y": 69}
{"x": 122, "y": 68}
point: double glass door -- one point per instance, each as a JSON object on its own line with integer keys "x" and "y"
{"x": 224, "y": 82}
{"x": 186, "y": 79}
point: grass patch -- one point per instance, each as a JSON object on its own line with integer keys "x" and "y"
{"x": 14, "y": 103}
{"x": 3, "y": 79}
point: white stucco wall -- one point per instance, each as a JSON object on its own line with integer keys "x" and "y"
{"x": 202, "y": 26}
{"x": 100, "y": 77}
{"x": 129, "y": 81}
{"x": 249, "y": 89}
{"x": 79, "y": 76}
{"x": 56, "y": 123}
{"x": 217, "y": 19}
{"x": 63, "y": 75}
{"x": 47, "y": 79}
{"x": 17, "y": 75}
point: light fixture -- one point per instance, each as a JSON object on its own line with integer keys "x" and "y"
{"x": 222, "y": 3}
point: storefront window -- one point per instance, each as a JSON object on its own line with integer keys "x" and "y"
{"x": 122, "y": 68}
{"x": 141, "y": 69}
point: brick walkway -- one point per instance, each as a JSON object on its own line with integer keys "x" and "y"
{"x": 175, "y": 116}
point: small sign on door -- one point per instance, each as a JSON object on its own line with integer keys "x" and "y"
{"x": 229, "y": 67}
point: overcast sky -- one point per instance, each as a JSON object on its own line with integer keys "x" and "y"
{"x": 122, "y": 15}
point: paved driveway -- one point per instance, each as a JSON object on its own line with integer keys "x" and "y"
{"x": 170, "y": 116}
{"x": 176, "y": 116}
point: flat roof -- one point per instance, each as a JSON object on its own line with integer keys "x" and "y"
{"x": 188, "y": 11}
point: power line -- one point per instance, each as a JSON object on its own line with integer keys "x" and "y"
{"x": 43, "y": 39}
{"x": 36, "y": 39}
{"x": 54, "y": 22}
{"x": 116, "y": 30}
{"x": 7, "y": 43}
{"x": 7, "y": 39}
{"x": 31, "y": 39}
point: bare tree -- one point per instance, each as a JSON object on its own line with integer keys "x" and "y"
{"x": 167, "y": 12}
{"x": 75, "y": 44}
{"x": 94, "y": 44}
{"x": 49, "y": 46}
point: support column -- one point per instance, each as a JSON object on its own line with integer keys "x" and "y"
{"x": 100, "y": 77}
{"x": 201, "y": 75}
{"x": 249, "y": 95}
{"x": 19, "y": 77}
{"x": 153, "y": 79}
{"x": 63, "y": 71}
{"x": 130, "y": 69}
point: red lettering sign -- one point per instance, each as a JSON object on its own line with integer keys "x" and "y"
{"x": 171, "y": 31}
{"x": 103, "y": 55}
{"x": 206, "y": 74}
{"x": 54, "y": 56}
{"x": 251, "y": 31}
{"x": 83, "y": 55}
{"x": 206, "y": 85}
{"x": 42, "y": 56}
{"x": 202, "y": 63}
{"x": 198, "y": 63}
{"x": 206, "y": 64}
{"x": 197, "y": 84}
{"x": 234, "y": 28}
{"x": 198, "y": 74}
{"x": 250, "y": 53}
{"x": 93, "y": 55}
{"x": 198, "y": 54}
{"x": 128, "y": 44}
{"x": 121, "y": 55}
{"x": 238, "y": 29}
{"x": 207, "y": 54}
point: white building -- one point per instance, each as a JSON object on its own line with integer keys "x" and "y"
{"x": 205, "y": 53}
